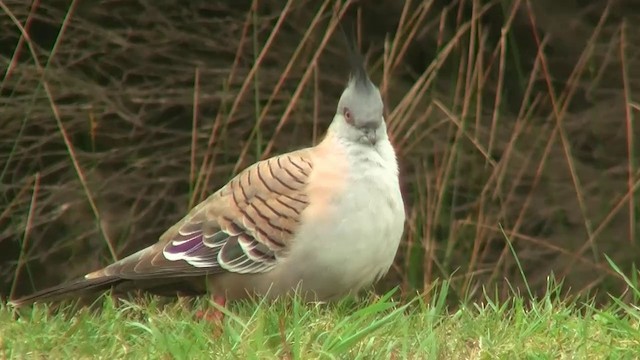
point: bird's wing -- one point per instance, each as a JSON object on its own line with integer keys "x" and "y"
{"x": 245, "y": 227}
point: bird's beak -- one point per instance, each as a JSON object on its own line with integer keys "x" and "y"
{"x": 371, "y": 136}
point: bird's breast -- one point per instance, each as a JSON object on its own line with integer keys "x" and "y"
{"x": 351, "y": 239}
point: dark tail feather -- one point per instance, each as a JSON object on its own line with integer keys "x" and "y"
{"x": 65, "y": 290}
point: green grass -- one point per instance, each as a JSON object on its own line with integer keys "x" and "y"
{"x": 373, "y": 328}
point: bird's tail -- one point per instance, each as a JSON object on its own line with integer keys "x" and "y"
{"x": 59, "y": 292}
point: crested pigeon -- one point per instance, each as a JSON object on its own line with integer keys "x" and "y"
{"x": 324, "y": 221}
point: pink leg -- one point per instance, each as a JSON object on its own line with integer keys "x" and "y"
{"x": 213, "y": 314}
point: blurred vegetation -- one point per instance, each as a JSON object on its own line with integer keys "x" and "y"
{"x": 513, "y": 122}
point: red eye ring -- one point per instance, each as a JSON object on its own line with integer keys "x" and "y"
{"x": 347, "y": 115}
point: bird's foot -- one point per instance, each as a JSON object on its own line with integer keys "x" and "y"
{"x": 213, "y": 315}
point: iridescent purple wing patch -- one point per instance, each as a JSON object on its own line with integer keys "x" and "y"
{"x": 196, "y": 249}
{"x": 238, "y": 253}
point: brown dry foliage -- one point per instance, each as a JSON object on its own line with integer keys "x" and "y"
{"x": 524, "y": 129}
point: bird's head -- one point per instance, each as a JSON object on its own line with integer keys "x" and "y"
{"x": 359, "y": 116}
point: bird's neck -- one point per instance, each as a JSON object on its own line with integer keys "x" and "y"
{"x": 382, "y": 151}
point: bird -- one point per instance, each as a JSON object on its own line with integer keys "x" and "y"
{"x": 323, "y": 222}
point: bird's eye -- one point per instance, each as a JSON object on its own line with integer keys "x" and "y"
{"x": 347, "y": 116}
